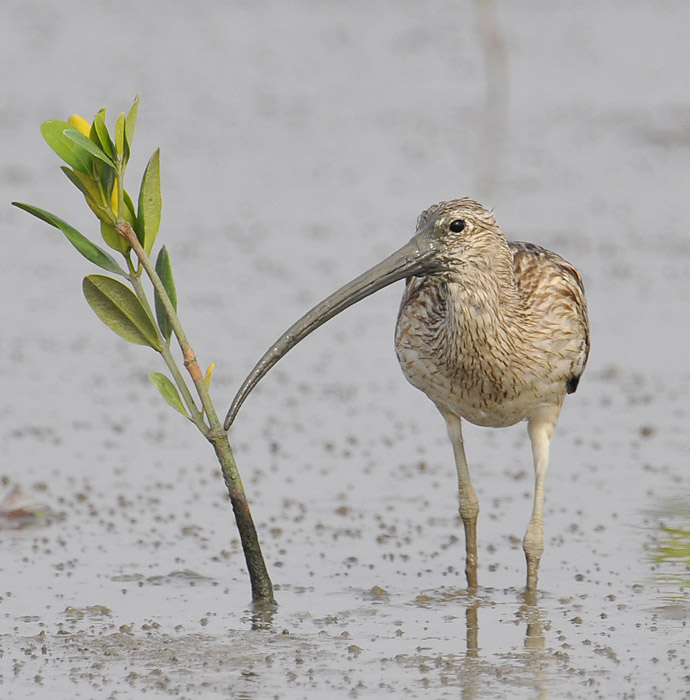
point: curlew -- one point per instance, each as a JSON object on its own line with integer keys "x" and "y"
{"x": 492, "y": 331}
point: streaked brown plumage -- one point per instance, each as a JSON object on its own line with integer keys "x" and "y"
{"x": 492, "y": 338}
{"x": 500, "y": 337}
{"x": 491, "y": 331}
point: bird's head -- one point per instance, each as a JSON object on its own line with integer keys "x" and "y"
{"x": 449, "y": 236}
{"x": 463, "y": 234}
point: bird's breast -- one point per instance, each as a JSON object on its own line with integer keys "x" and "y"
{"x": 459, "y": 348}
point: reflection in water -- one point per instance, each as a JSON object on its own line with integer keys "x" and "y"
{"x": 471, "y": 672}
{"x": 669, "y": 548}
{"x": 535, "y": 642}
{"x": 262, "y": 614}
{"x": 534, "y": 636}
{"x": 472, "y": 630}
{"x": 495, "y": 117}
{"x": 533, "y": 661}
{"x": 673, "y": 548}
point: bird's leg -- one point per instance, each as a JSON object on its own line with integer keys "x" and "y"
{"x": 540, "y": 429}
{"x": 469, "y": 505}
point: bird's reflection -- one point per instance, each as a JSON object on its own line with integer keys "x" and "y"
{"x": 534, "y": 659}
{"x": 472, "y": 619}
{"x": 531, "y": 614}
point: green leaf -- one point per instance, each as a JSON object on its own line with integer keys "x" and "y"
{"x": 109, "y": 232}
{"x": 164, "y": 271}
{"x": 129, "y": 214}
{"x": 93, "y": 196}
{"x": 72, "y": 153}
{"x": 120, "y": 136}
{"x": 107, "y": 179}
{"x": 84, "y": 184}
{"x": 113, "y": 238}
{"x": 88, "y": 145}
{"x": 131, "y": 122}
{"x": 89, "y": 250}
{"x": 150, "y": 203}
{"x": 103, "y": 136}
{"x": 168, "y": 391}
{"x": 118, "y": 307}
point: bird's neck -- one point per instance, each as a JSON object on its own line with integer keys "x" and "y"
{"x": 487, "y": 279}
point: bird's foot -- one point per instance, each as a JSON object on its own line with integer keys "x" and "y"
{"x": 471, "y": 574}
{"x": 470, "y": 524}
{"x": 532, "y": 575}
{"x": 533, "y": 545}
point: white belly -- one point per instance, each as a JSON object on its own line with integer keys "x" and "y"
{"x": 470, "y": 371}
{"x": 473, "y": 398}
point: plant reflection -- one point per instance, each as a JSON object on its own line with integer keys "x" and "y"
{"x": 261, "y": 615}
{"x": 669, "y": 547}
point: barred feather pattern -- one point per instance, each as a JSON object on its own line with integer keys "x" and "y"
{"x": 501, "y": 331}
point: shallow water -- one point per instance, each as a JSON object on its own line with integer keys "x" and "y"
{"x": 299, "y": 143}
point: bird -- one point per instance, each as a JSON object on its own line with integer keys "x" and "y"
{"x": 494, "y": 332}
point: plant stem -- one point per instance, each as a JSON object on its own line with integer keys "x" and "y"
{"x": 196, "y": 416}
{"x": 262, "y": 589}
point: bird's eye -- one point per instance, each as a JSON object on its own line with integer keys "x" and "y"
{"x": 457, "y": 225}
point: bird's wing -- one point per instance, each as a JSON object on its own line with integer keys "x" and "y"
{"x": 553, "y": 287}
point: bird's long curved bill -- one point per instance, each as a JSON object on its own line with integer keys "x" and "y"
{"x": 416, "y": 257}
